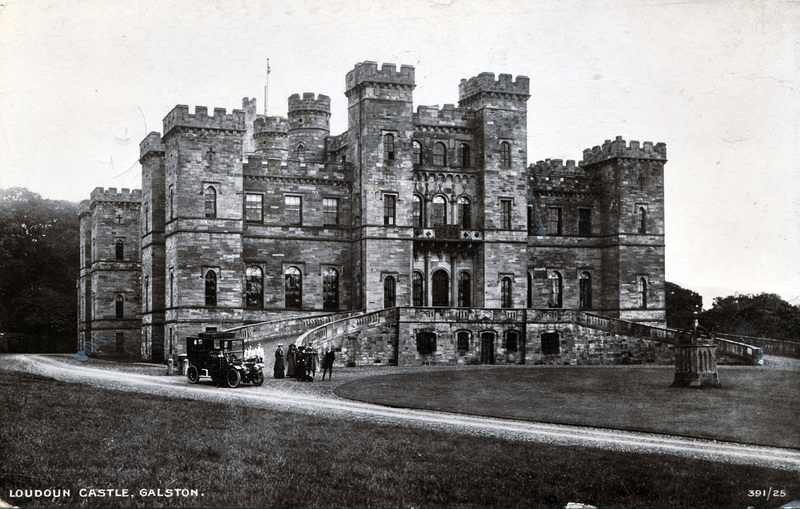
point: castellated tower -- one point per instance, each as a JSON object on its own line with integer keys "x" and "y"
{"x": 380, "y": 120}
{"x": 272, "y": 138}
{"x": 203, "y": 221}
{"x": 630, "y": 182}
{"x": 109, "y": 321}
{"x": 500, "y": 133}
{"x": 309, "y": 126}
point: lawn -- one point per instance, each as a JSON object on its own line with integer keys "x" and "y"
{"x": 754, "y": 405}
{"x": 67, "y": 436}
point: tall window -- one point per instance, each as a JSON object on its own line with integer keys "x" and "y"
{"x": 293, "y": 210}
{"x": 211, "y": 288}
{"x": 330, "y": 209}
{"x": 293, "y": 288}
{"x": 512, "y": 341}
{"x": 529, "y": 299}
{"x": 505, "y": 214}
{"x": 505, "y": 293}
{"x": 505, "y": 155}
{"x": 301, "y": 152}
{"x": 642, "y": 220}
{"x": 171, "y": 202}
{"x": 389, "y": 209}
{"x": 120, "y": 306}
{"x": 585, "y": 290}
{"x": 556, "y": 287}
{"x": 119, "y": 248}
{"x": 439, "y": 154}
{"x": 440, "y": 286}
{"x": 147, "y": 293}
{"x": 418, "y": 289}
{"x": 463, "y": 155}
{"x": 416, "y": 211}
{"x": 330, "y": 290}
{"x": 171, "y": 287}
{"x": 464, "y": 213}
{"x": 210, "y": 198}
{"x": 389, "y": 292}
{"x": 146, "y": 216}
{"x": 439, "y": 210}
{"x": 585, "y": 222}
{"x": 254, "y": 208}
{"x": 462, "y": 341}
{"x": 464, "y": 290}
{"x": 417, "y": 152}
{"x": 554, "y": 221}
{"x": 254, "y": 287}
{"x": 642, "y": 293}
{"x": 388, "y": 147}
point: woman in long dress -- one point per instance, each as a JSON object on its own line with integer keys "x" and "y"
{"x": 280, "y": 364}
{"x": 291, "y": 359}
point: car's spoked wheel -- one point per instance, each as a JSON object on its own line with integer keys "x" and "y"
{"x": 258, "y": 378}
{"x": 193, "y": 375}
{"x": 233, "y": 378}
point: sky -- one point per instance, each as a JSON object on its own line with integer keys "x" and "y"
{"x": 82, "y": 82}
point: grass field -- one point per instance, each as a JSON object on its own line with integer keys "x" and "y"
{"x": 754, "y": 405}
{"x": 66, "y": 436}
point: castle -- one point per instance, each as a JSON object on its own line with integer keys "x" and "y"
{"x": 244, "y": 218}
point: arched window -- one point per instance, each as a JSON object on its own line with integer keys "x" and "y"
{"x": 585, "y": 290}
{"x": 512, "y": 341}
{"x": 120, "y": 249}
{"x": 210, "y": 198}
{"x": 439, "y": 210}
{"x": 211, "y": 288}
{"x": 418, "y": 289}
{"x": 301, "y": 152}
{"x": 293, "y": 288}
{"x": 120, "y": 306}
{"x": 642, "y": 220}
{"x": 254, "y": 287}
{"x": 530, "y": 291}
{"x": 417, "y": 152}
{"x": 642, "y": 293}
{"x": 556, "y": 286}
{"x": 505, "y": 293}
{"x": 389, "y": 292}
{"x": 505, "y": 155}
{"x": 463, "y": 155}
{"x": 462, "y": 341}
{"x": 464, "y": 213}
{"x": 330, "y": 289}
{"x": 439, "y": 154}
{"x": 417, "y": 216}
{"x": 441, "y": 288}
{"x": 388, "y": 147}
{"x": 464, "y": 290}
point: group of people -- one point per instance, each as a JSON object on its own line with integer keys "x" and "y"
{"x": 301, "y": 363}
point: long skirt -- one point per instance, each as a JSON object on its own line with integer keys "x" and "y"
{"x": 290, "y": 363}
{"x": 279, "y": 367}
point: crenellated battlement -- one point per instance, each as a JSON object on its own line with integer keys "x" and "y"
{"x": 111, "y": 194}
{"x": 368, "y": 72}
{"x": 318, "y": 104}
{"x": 151, "y": 144}
{"x": 276, "y": 125}
{"x": 619, "y": 148}
{"x": 221, "y": 120}
{"x": 555, "y": 167}
{"x": 485, "y": 82}
{"x": 449, "y": 115}
{"x": 553, "y": 175}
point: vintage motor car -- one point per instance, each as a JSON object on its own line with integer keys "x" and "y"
{"x": 220, "y": 356}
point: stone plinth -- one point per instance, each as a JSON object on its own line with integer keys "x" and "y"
{"x": 696, "y": 365}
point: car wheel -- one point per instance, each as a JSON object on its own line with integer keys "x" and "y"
{"x": 258, "y": 378}
{"x": 193, "y": 375}
{"x": 233, "y": 378}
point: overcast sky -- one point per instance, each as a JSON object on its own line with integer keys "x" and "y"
{"x": 82, "y": 82}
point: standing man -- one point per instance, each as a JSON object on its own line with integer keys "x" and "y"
{"x": 327, "y": 364}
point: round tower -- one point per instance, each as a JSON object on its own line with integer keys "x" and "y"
{"x": 309, "y": 125}
{"x": 272, "y": 137}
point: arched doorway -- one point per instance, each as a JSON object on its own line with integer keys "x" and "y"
{"x": 441, "y": 288}
{"x": 487, "y": 347}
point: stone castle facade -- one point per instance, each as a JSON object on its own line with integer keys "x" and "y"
{"x": 244, "y": 218}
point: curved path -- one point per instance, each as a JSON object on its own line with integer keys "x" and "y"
{"x": 294, "y": 397}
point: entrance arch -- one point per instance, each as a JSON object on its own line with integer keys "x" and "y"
{"x": 440, "y": 285}
{"x": 487, "y": 347}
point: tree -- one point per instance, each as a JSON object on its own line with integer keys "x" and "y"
{"x": 681, "y": 305}
{"x": 763, "y": 315}
{"x": 38, "y": 265}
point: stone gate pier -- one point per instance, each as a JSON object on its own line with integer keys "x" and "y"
{"x": 696, "y": 359}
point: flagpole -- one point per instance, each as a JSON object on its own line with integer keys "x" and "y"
{"x": 266, "y": 88}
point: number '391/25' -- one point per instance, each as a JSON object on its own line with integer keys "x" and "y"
{"x": 766, "y": 493}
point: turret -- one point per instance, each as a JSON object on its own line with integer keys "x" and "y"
{"x": 309, "y": 125}
{"x": 272, "y": 137}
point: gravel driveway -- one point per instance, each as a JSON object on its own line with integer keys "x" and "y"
{"x": 318, "y": 399}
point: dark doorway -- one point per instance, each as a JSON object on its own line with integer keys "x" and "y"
{"x": 487, "y": 347}
{"x": 441, "y": 287}
{"x": 550, "y": 343}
